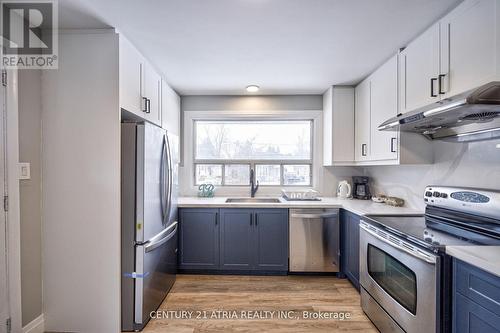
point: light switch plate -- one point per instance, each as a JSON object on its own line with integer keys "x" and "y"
{"x": 24, "y": 171}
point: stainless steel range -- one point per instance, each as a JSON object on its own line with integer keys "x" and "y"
{"x": 405, "y": 274}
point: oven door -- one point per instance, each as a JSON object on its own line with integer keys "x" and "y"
{"x": 400, "y": 277}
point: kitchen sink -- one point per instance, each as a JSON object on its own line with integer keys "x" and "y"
{"x": 251, "y": 200}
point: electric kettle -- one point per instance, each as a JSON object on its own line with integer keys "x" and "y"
{"x": 344, "y": 190}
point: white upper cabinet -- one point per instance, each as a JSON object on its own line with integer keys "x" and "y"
{"x": 151, "y": 93}
{"x": 459, "y": 53}
{"x": 419, "y": 71}
{"x": 338, "y": 126}
{"x": 362, "y": 121}
{"x": 130, "y": 72}
{"x": 139, "y": 83}
{"x": 470, "y": 50}
{"x": 384, "y": 105}
{"x": 377, "y": 101}
{"x": 171, "y": 109}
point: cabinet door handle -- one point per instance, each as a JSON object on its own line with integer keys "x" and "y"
{"x": 256, "y": 219}
{"x": 441, "y": 84}
{"x": 216, "y": 218}
{"x": 393, "y": 147}
{"x": 363, "y": 149}
{"x": 148, "y": 105}
{"x": 251, "y": 219}
{"x": 145, "y": 104}
{"x": 432, "y": 86}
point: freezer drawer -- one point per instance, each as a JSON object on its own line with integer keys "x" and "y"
{"x": 314, "y": 240}
{"x": 154, "y": 275}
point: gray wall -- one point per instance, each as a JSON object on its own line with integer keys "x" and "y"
{"x": 327, "y": 177}
{"x": 30, "y": 194}
{"x": 251, "y": 103}
{"x": 455, "y": 164}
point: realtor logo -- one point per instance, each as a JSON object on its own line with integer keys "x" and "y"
{"x": 29, "y": 34}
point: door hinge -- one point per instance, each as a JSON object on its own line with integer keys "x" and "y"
{"x": 4, "y": 78}
{"x": 6, "y": 203}
{"x": 8, "y": 324}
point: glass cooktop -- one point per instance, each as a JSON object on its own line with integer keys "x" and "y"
{"x": 421, "y": 230}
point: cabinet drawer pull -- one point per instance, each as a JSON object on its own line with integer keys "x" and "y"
{"x": 393, "y": 147}
{"x": 432, "y": 87}
{"x": 148, "y": 103}
{"x": 441, "y": 84}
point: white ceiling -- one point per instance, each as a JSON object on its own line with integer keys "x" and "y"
{"x": 284, "y": 46}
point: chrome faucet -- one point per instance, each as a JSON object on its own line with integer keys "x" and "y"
{"x": 253, "y": 187}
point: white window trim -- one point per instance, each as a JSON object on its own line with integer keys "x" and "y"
{"x": 187, "y": 171}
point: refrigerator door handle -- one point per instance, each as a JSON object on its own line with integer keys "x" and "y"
{"x": 163, "y": 181}
{"x": 159, "y": 241}
{"x": 170, "y": 179}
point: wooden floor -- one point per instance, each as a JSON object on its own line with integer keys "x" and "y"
{"x": 224, "y": 301}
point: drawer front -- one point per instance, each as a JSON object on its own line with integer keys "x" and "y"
{"x": 469, "y": 317}
{"x": 479, "y": 286}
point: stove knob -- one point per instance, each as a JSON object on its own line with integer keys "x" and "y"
{"x": 428, "y": 194}
{"x": 444, "y": 195}
{"x": 436, "y": 194}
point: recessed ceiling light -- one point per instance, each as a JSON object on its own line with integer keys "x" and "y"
{"x": 252, "y": 88}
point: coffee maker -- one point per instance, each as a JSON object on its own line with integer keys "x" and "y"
{"x": 361, "y": 190}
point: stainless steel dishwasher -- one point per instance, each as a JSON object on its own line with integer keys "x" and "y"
{"x": 314, "y": 240}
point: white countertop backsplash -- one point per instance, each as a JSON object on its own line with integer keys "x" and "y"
{"x": 359, "y": 207}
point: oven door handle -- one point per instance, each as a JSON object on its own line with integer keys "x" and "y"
{"x": 398, "y": 244}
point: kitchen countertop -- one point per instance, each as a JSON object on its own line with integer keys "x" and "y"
{"x": 359, "y": 207}
{"x": 484, "y": 257}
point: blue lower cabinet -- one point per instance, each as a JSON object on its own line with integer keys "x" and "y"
{"x": 234, "y": 240}
{"x": 271, "y": 239}
{"x": 476, "y": 299}
{"x": 199, "y": 239}
{"x": 349, "y": 246}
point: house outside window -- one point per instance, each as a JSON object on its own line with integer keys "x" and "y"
{"x": 280, "y": 152}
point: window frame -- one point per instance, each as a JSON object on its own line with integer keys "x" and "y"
{"x": 253, "y": 163}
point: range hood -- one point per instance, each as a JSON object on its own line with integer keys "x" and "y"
{"x": 471, "y": 116}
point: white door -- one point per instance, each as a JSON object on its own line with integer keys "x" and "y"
{"x": 130, "y": 62}
{"x": 170, "y": 108}
{"x": 362, "y": 121}
{"x": 419, "y": 70}
{"x": 151, "y": 88}
{"x": 4, "y": 297}
{"x": 469, "y": 46}
{"x": 384, "y": 105}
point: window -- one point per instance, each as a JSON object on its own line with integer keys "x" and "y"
{"x": 280, "y": 152}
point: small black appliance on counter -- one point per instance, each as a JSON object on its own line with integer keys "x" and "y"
{"x": 361, "y": 190}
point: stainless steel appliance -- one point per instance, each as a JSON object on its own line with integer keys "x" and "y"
{"x": 314, "y": 240}
{"x": 149, "y": 220}
{"x": 473, "y": 115}
{"x": 404, "y": 270}
{"x": 361, "y": 189}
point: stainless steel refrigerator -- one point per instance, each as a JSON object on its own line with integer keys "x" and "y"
{"x": 149, "y": 164}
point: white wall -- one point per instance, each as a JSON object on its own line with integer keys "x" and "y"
{"x": 81, "y": 186}
{"x": 30, "y": 109}
{"x": 456, "y": 164}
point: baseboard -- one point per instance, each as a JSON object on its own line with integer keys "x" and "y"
{"x": 35, "y": 326}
